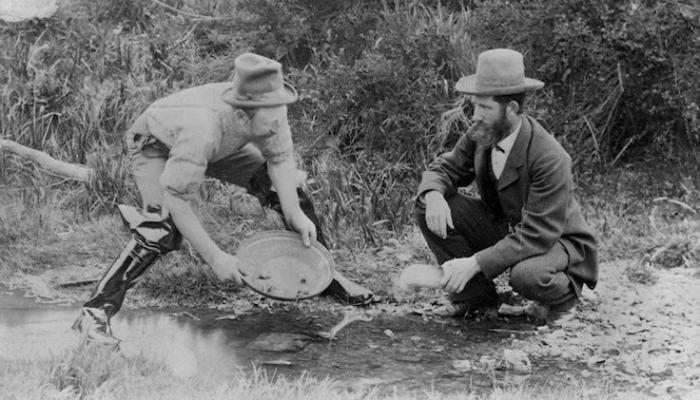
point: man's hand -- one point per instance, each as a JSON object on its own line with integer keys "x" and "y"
{"x": 438, "y": 215}
{"x": 302, "y": 224}
{"x": 225, "y": 267}
{"x": 458, "y": 272}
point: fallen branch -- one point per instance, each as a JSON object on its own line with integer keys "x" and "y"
{"x": 348, "y": 318}
{"x": 676, "y": 202}
{"x": 72, "y": 171}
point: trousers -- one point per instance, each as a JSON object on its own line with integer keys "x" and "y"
{"x": 542, "y": 278}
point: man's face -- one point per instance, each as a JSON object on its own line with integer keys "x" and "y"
{"x": 269, "y": 121}
{"x": 490, "y": 122}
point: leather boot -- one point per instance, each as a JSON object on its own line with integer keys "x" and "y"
{"x": 152, "y": 236}
{"x": 340, "y": 287}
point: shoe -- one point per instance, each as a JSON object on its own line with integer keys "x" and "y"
{"x": 453, "y": 310}
{"x": 457, "y": 309}
{"x": 558, "y": 316}
{"x": 93, "y": 325}
{"x": 553, "y": 316}
{"x": 348, "y": 292}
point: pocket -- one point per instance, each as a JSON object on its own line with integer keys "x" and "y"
{"x": 146, "y": 144}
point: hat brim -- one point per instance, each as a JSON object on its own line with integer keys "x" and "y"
{"x": 468, "y": 85}
{"x": 284, "y": 96}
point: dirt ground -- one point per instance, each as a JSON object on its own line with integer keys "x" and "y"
{"x": 640, "y": 332}
{"x": 645, "y": 335}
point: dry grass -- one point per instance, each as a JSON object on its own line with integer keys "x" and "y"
{"x": 87, "y": 373}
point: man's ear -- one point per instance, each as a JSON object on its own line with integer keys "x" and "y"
{"x": 241, "y": 116}
{"x": 513, "y": 107}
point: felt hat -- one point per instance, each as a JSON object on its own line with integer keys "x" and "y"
{"x": 258, "y": 82}
{"x": 498, "y": 72}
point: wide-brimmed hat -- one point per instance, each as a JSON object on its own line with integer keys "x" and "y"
{"x": 258, "y": 82}
{"x": 498, "y": 72}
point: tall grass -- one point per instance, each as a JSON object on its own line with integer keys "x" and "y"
{"x": 365, "y": 128}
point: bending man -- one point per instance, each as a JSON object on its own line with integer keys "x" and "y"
{"x": 237, "y": 132}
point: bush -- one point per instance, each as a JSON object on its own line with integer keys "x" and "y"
{"x": 376, "y": 80}
{"x": 619, "y": 75}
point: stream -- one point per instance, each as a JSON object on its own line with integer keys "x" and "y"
{"x": 407, "y": 353}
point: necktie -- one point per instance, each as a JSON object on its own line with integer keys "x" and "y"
{"x": 498, "y": 161}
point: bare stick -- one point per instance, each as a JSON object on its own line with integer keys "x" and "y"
{"x": 72, "y": 171}
{"x": 348, "y": 318}
{"x": 676, "y": 202}
{"x": 595, "y": 140}
{"x": 629, "y": 142}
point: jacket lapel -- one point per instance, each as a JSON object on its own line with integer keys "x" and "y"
{"x": 517, "y": 156}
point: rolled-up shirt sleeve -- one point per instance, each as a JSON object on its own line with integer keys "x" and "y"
{"x": 278, "y": 146}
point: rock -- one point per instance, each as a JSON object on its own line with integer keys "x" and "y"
{"x": 517, "y": 362}
{"x": 23, "y": 10}
{"x": 488, "y": 362}
{"x": 421, "y": 275}
{"x": 657, "y": 366}
{"x": 595, "y": 361}
{"x": 555, "y": 351}
{"x": 462, "y": 365}
{"x": 508, "y": 310}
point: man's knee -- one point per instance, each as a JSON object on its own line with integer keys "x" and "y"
{"x": 526, "y": 278}
{"x": 539, "y": 282}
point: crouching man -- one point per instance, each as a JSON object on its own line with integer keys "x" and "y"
{"x": 237, "y": 132}
{"x": 526, "y": 220}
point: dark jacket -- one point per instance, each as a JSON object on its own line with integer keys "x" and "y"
{"x": 535, "y": 194}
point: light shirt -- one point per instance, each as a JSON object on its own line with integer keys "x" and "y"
{"x": 199, "y": 128}
{"x": 498, "y": 158}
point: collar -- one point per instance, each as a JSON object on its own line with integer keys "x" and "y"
{"x": 506, "y": 144}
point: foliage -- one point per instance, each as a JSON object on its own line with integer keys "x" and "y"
{"x": 619, "y": 75}
{"x": 376, "y": 81}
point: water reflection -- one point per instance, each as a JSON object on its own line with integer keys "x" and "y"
{"x": 417, "y": 356}
{"x": 30, "y": 330}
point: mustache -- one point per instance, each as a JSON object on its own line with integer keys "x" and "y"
{"x": 479, "y": 124}
{"x": 478, "y": 129}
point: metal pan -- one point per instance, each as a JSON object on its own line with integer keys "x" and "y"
{"x": 276, "y": 264}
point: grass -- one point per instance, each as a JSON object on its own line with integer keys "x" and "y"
{"x": 87, "y": 373}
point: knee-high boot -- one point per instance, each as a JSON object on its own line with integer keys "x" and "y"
{"x": 340, "y": 287}
{"x": 152, "y": 236}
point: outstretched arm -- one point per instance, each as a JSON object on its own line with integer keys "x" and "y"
{"x": 224, "y": 265}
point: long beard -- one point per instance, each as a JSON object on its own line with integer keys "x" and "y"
{"x": 489, "y": 135}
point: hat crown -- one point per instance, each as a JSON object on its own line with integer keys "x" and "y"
{"x": 258, "y": 82}
{"x": 255, "y": 74}
{"x": 500, "y": 68}
{"x": 498, "y": 72}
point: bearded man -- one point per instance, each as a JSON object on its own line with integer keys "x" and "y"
{"x": 526, "y": 220}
